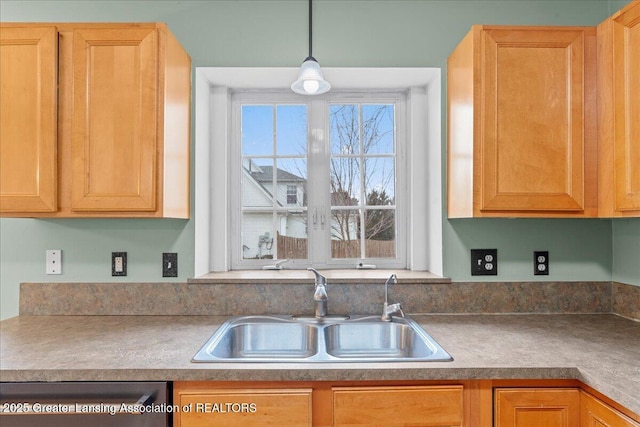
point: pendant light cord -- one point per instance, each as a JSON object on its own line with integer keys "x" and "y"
{"x": 310, "y": 32}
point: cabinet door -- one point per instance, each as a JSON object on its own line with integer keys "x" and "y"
{"x": 528, "y": 407}
{"x": 597, "y": 414}
{"x": 397, "y": 406}
{"x": 28, "y": 119}
{"x": 626, "y": 77}
{"x": 244, "y": 408}
{"x": 533, "y": 119}
{"x": 114, "y": 141}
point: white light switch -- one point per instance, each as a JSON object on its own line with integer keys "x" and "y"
{"x": 54, "y": 261}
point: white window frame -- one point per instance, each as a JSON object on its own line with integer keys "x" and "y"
{"x": 318, "y": 123}
{"x": 212, "y": 153}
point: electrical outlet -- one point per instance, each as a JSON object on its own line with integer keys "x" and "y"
{"x": 54, "y": 261}
{"x": 169, "y": 264}
{"x": 541, "y": 263}
{"x": 118, "y": 263}
{"x": 484, "y": 262}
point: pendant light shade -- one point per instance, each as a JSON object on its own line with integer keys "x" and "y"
{"x": 310, "y": 79}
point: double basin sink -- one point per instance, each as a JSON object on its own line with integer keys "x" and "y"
{"x": 331, "y": 339}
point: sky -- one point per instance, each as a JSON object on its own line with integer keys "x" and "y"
{"x": 289, "y": 139}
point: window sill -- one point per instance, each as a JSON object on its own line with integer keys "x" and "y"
{"x": 251, "y": 277}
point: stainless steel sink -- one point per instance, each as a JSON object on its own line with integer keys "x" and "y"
{"x": 307, "y": 339}
{"x": 260, "y": 338}
{"x": 376, "y": 340}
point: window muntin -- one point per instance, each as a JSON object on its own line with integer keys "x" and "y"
{"x": 307, "y": 233}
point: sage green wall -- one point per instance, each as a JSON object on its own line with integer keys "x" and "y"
{"x": 626, "y": 251}
{"x": 273, "y": 33}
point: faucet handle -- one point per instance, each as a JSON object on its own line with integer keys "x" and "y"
{"x": 389, "y": 310}
{"x": 396, "y": 308}
{"x": 320, "y": 279}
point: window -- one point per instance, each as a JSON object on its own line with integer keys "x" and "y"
{"x": 317, "y": 198}
{"x": 417, "y": 191}
{"x": 292, "y": 194}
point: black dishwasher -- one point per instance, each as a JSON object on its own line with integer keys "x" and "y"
{"x": 95, "y": 404}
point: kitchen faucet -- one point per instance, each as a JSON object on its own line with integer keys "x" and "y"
{"x": 320, "y": 294}
{"x": 389, "y": 310}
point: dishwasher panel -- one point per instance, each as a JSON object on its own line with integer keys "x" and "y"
{"x": 95, "y": 404}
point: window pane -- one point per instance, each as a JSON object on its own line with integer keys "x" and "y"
{"x": 257, "y": 130}
{"x": 292, "y": 235}
{"x": 378, "y": 129}
{"x": 291, "y": 130}
{"x": 292, "y": 182}
{"x": 258, "y": 235}
{"x": 380, "y": 233}
{"x": 257, "y": 183}
{"x": 344, "y": 129}
{"x": 345, "y": 181}
{"x": 345, "y": 233}
{"x": 379, "y": 181}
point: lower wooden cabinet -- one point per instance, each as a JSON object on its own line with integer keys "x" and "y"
{"x": 554, "y": 407}
{"x": 398, "y": 406}
{"x": 537, "y": 407}
{"x": 242, "y": 407}
{"x": 468, "y": 403}
{"x": 595, "y": 413}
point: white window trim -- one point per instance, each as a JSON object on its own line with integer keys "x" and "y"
{"x": 212, "y": 153}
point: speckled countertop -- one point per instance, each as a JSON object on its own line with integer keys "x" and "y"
{"x": 601, "y": 350}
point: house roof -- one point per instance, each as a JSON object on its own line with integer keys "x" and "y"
{"x": 265, "y": 174}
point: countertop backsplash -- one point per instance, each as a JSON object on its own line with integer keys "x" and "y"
{"x": 221, "y": 299}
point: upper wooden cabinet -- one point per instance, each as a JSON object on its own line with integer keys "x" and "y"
{"x": 120, "y": 143}
{"x": 28, "y": 119}
{"x": 619, "y": 112}
{"x": 522, "y": 137}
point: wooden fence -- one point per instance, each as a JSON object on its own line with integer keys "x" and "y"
{"x": 296, "y": 248}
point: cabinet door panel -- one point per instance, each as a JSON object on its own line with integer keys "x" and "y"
{"x": 596, "y": 414}
{"x": 533, "y": 108}
{"x": 28, "y": 119}
{"x": 537, "y": 407}
{"x": 397, "y": 406}
{"x": 245, "y": 408}
{"x": 114, "y": 143}
{"x": 626, "y": 69}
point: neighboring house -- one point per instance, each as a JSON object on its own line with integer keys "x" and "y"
{"x": 258, "y": 191}
{"x": 258, "y": 222}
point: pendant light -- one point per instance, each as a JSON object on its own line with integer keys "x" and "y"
{"x": 310, "y": 80}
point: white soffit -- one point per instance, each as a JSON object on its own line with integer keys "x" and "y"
{"x": 340, "y": 78}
